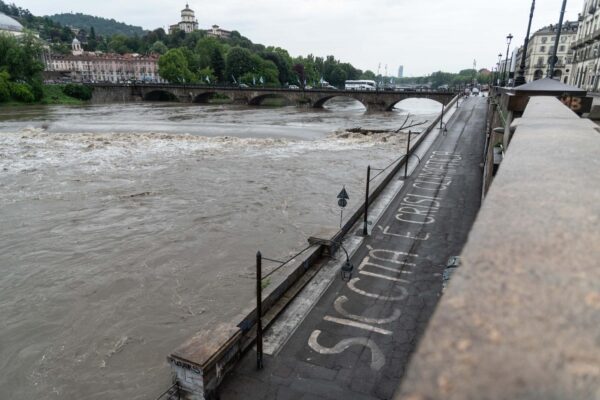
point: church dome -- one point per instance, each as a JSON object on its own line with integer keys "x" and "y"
{"x": 9, "y": 24}
{"x": 75, "y": 41}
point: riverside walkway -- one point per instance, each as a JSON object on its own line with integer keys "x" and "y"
{"x": 357, "y": 340}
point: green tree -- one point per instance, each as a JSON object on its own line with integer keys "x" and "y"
{"x": 159, "y": 47}
{"x": 207, "y": 76}
{"x": 173, "y": 66}
{"x": 217, "y": 63}
{"x": 369, "y": 75}
{"x": 4, "y": 86}
{"x": 337, "y": 76}
{"x": 238, "y": 62}
{"x": 21, "y": 57}
{"x": 118, "y": 44}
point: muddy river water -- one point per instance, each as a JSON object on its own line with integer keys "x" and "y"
{"x": 127, "y": 228}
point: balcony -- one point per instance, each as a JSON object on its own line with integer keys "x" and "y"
{"x": 577, "y": 44}
{"x": 589, "y": 38}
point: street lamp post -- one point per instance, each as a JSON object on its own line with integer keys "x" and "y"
{"x": 553, "y": 59}
{"x": 520, "y": 79}
{"x": 497, "y": 83}
{"x": 506, "y": 74}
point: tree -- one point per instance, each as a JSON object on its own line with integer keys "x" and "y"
{"x": 217, "y": 63}
{"x": 4, "y": 86}
{"x": 118, "y": 44}
{"x": 21, "y": 58}
{"x": 159, "y": 47}
{"x": 337, "y": 76}
{"x": 369, "y": 75}
{"x": 207, "y": 76}
{"x": 239, "y": 62}
{"x": 173, "y": 66}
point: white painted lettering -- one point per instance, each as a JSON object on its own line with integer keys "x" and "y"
{"x": 377, "y": 357}
{"x": 352, "y": 286}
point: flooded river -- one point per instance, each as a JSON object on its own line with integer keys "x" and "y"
{"x": 127, "y": 228}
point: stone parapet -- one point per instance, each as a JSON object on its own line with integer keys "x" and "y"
{"x": 521, "y": 316}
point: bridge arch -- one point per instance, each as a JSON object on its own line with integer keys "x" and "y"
{"x": 207, "y": 97}
{"x": 260, "y": 99}
{"x": 414, "y": 105}
{"x": 320, "y": 102}
{"x": 439, "y": 100}
{"x": 160, "y": 95}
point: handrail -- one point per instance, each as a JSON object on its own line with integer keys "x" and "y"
{"x": 169, "y": 393}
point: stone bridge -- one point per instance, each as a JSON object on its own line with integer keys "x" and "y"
{"x": 372, "y": 100}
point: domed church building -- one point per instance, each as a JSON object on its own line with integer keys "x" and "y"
{"x": 188, "y": 22}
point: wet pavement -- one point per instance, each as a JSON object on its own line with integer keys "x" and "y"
{"x": 358, "y": 339}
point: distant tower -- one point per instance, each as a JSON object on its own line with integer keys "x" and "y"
{"x": 401, "y": 71}
{"x": 76, "y": 48}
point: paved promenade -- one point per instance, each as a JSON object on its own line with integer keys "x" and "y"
{"x": 357, "y": 340}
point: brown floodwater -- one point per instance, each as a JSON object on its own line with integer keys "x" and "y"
{"x": 128, "y": 228}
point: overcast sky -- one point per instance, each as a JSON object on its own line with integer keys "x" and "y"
{"x": 422, "y": 35}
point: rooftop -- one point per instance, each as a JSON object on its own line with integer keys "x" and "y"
{"x": 9, "y": 24}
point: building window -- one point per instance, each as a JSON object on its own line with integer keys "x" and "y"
{"x": 542, "y": 49}
{"x": 561, "y": 48}
{"x": 544, "y": 39}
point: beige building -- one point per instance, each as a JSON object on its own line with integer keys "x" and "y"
{"x": 217, "y": 32}
{"x": 83, "y": 66}
{"x": 541, "y": 48}
{"x": 188, "y": 22}
{"x": 586, "y": 68}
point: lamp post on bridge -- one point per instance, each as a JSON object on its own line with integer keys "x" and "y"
{"x": 554, "y": 58}
{"x": 520, "y": 79}
{"x": 505, "y": 73}
{"x": 497, "y": 81}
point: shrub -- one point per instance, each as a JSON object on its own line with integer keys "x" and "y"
{"x": 4, "y": 86}
{"x": 80, "y": 92}
{"x": 22, "y": 92}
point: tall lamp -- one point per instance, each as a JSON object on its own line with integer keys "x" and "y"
{"x": 497, "y": 82}
{"x": 520, "y": 79}
{"x": 506, "y": 74}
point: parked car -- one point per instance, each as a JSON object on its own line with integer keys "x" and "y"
{"x": 294, "y": 87}
{"x": 243, "y": 86}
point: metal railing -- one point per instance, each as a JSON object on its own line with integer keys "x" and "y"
{"x": 172, "y": 393}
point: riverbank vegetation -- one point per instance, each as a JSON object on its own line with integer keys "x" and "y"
{"x": 21, "y": 76}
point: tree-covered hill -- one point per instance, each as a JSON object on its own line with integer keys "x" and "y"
{"x": 102, "y": 26}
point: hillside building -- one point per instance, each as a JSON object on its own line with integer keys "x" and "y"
{"x": 217, "y": 32}
{"x": 188, "y": 22}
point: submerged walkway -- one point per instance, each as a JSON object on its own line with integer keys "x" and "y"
{"x": 357, "y": 340}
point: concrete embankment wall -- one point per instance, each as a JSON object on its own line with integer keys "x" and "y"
{"x": 200, "y": 364}
{"x": 521, "y": 316}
